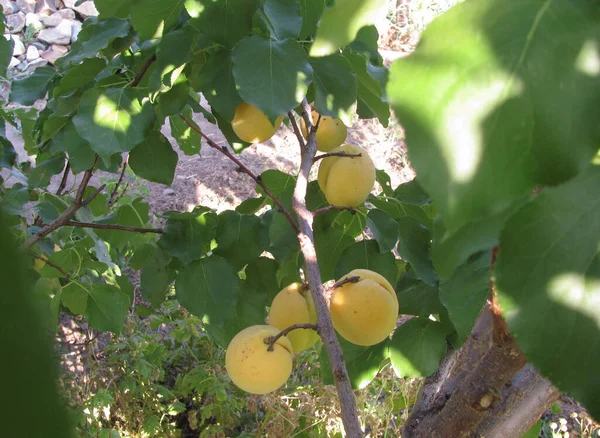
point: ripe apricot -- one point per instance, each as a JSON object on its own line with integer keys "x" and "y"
{"x": 347, "y": 181}
{"x": 365, "y": 312}
{"x": 252, "y": 367}
{"x": 252, "y": 125}
{"x": 293, "y": 305}
{"x": 331, "y": 132}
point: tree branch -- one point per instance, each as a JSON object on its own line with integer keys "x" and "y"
{"x": 63, "y": 181}
{"x": 307, "y": 244}
{"x": 113, "y": 227}
{"x": 333, "y": 207}
{"x": 225, "y": 151}
{"x": 49, "y": 263}
{"x": 113, "y": 195}
{"x": 66, "y": 216}
{"x": 335, "y": 154}
{"x": 138, "y": 78}
{"x": 271, "y": 340}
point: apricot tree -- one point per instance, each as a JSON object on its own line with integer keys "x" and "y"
{"x": 492, "y": 252}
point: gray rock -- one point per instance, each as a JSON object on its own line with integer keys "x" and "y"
{"x": 60, "y": 34}
{"x": 35, "y": 64}
{"x": 67, "y": 14}
{"x": 40, "y": 46}
{"x": 26, "y": 6}
{"x": 54, "y": 53}
{"x": 13, "y": 62}
{"x": 15, "y": 22}
{"x": 8, "y": 7}
{"x": 86, "y": 9}
{"x": 18, "y": 47}
{"x": 33, "y": 20}
{"x": 51, "y": 20}
{"x": 32, "y": 53}
{"x": 168, "y": 192}
{"x": 75, "y": 29}
{"x": 22, "y": 66}
{"x": 46, "y": 7}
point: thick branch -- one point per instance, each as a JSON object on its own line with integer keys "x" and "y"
{"x": 225, "y": 151}
{"x": 333, "y": 207}
{"x": 113, "y": 227}
{"x": 271, "y": 340}
{"x": 335, "y": 154}
{"x": 313, "y": 275}
{"x": 66, "y": 216}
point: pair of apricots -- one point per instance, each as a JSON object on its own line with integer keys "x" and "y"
{"x": 363, "y": 312}
{"x": 345, "y": 181}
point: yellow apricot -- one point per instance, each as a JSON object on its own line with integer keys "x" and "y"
{"x": 252, "y": 125}
{"x": 347, "y": 181}
{"x": 365, "y": 312}
{"x": 252, "y": 367}
{"x": 331, "y": 132}
{"x": 38, "y": 264}
{"x": 292, "y": 305}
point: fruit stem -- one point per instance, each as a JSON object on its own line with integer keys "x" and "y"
{"x": 271, "y": 340}
{"x": 353, "y": 279}
{"x": 335, "y": 154}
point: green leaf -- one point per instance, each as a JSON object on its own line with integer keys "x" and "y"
{"x": 81, "y": 155}
{"x": 416, "y": 348}
{"x": 335, "y": 87}
{"x": 251, "y": 205}
{"x": 46, "y": 297}
{"x": 311, "y": 11}
{"x": 281, "y": 184}
{"x": 218, "y": 86}
{"x": 154, "y": 159}
{"x": 480, "y": 108}
{"x": 415, "y": 241}
{"x": 262, "y": 274}
{"x": 464, "y": 294}
{"x": 330, "y": 242}
{"x": 27, "y": 91}
{"x": 153, "y": 18}
{"x": 365, "y": 44}
{"x": 209, "y": 288}
{"x": 547, "y": 282}
{"x": 417, "y": 298}
{"x": 284, "y": 241}
{"x": 187, "y": 139}
{"x": 384, "y": 229}
{"x": 362, "y": 363}
{"x": 13, "y": 199}
{"x": 69, "y": 260}
{"x": 6, "y": 51}
{"x": 385, "y": 182}
{"x": 8, "y": 155}
{"x": 187, "y": 235}
{"x": 224, "y": 23}
{"x": 283, "y": 18}
{"x": 366, "y": 255}
{"x": 412, "y": 193}
{"x": 340, "y": 24}
{"x": 113, "y": 8}
{"x": 112, "y": 120}
{"x": 107, "y": 307}
{"x": 155, "y": 280}
{"x": 41, "y": 174}
{"x": 534, "y": 431}
{"x": 370, "y": 90}
{"x": 241, "y": 238}
{"x": 272, "y": 75}
{"x": 75, "y": 297}
{"x": 133, "y": 215}
{"x": 78, "y": 76}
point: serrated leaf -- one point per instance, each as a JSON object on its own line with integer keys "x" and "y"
{"x": 384, "y": 229}
{"x": 107, "y": 307}
{"x": 366, "y": 255}
{"x": 27, "y": 91}
{"x": 362, "y": 363}
{"x": 75, "y": 296}
{"x": 78, "y": 76}
{"x": 272, "y": 75}
{"x": 340, "y": 24}
{"x": 187, "y": 235}
{"x": 209, "y": 288}
{"x": 417, "y": 298}
{"x": 154, "y": 18}
{"x": 154, "y": 159}
{"x": 112, "y": 120}
{"x": 515, "y": 124}
{"x": 415, "y": 242}
{"x": 416, "y": 348}
{"x": 241, "y": 238}
{"x": 464, "y": 294}
{"x": 218, "y": 86}
{"x": 335, "y": 87}
{"x": 283, "y": 18}
{"x": 187, "y": 139}
{"x": 547, "y": 274}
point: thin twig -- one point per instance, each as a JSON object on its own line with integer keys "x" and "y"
{"x": 343, "y": 281}
{"x": 66, "y": 216}
{"x": 138, "y": 78}
{"x": 296, "y": 130}
{"x": 49, "y": 263}
{"x": 113, "y": 227}
{"x": 93, "y": 195}
{"x": 335, "y": 154}
{"x": 313, "y": 275}
{"x": 113, "y": 195}
{"x": 271, "y": 340}
{"x": 63, "y": 181}
{"x": 333, "y": 207}
{"x": 225, "y": 151}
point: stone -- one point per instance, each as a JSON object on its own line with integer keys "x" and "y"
{"x": 18, "y": 47}
{"x": 8, "y": 7}
{"x": 32, "y": 20}
{"x": 54, "y": 53}
{"x": 86, "y": 9}
{"x": 40, "y": 46}
{"x": 22, "y": 66}
{"x": 67, "y": 14}
{"x": 51, "y": 20}
{"x": 60, "y": 34}
{"x": 32, "y": 53}
{"x": 26, "y": 6}
{"x": 15, "y": 22}
{"x": 46, "y": 7}
{"x": 75, "y": 29}
{"x": 13, "y": 62}
{"x": 168, "y": 192}
{"x": 35, "y": 64}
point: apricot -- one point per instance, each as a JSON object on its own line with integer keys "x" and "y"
{"x": 293, "y": 305}
{"x": 252, "y": 125}
{"x": 365, "y": 312}
{"x": 252, "y": 367}
{"x": 331, "y": 132}
{"x": 347, "y": 181}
